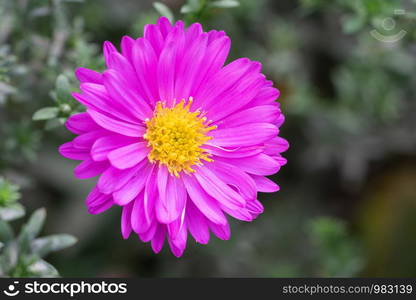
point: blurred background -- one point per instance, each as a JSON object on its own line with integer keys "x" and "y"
{"x": 346, "y": 71}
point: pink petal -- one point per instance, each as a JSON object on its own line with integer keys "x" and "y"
{"x": 207, "y": 205}
{"x": 175, "y": 227}
{"x": 87, "y": 75}
{"x": 193, "y": 32}
{"x": 264, "y": 184}
{"x": 154, "y": 37}
{"x": 133, "y": 187}
{"x": 215, "y": 56}
{"x": 257, "y": 114}
{"x": 280, "y": 160}
{"x": 101, "y": 208}
{"x": 149, "y": 234}
{"x": 244, "y": 135}
{"x": 122, "y": 70}
{"x": 221, "y": 231}
{"x": 233, "y": 175}
{"x": 172, "y": 197}
{"x": 178, "y": 244}
{"x": 125, "y": 221}
{"x": 108, "y": 48}
{"x": 98, "y": 202}
{"x": 95, "y": 197}
{"x": 159, "y": 238}
{"x": 166, "y": 72}
{"x": 138, "y": 218}
{"x": 89, "y": 168}
{"x": 214, "y": 35}
{"x": 276, "y": 145}
{"x": 69, "y": 151}
{"x": 239, "y": 95}
{"x": 189, "y": 69}
{"x": 145, "y": 63}
{"x": 119, "y": 87}
{"x": 164, "y": 26}
{"x": 81, "y": 123}
{"x": 127, "y": 47}
{"x": 265, "y": 96}
{"x": 241, "y": 213}
{"x": 86, "y": 140}
{"x": 222, "y": 81}
{"x": 128, "y": 156}
{"x": 218, "y": 189}
{"x": 260, "y": 164}
{"x": 255, "y": 207}
{"x": 150, "y": 195}
{"x": 197, "y": 224}
{"x": 113, "y": 179}
{"x": 106, "y": 144}
{"x": 234, "y": 152}
{"x": 96, "y": 97}
{"x": 280, "y": 120}
{"x": 118, "y": 126}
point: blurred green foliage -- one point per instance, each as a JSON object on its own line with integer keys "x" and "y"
{"x": 349, "y": 104}
{"x": 336, "y": 252}
{"x": 359, "y": 13}
{"x": 22, "y": 255}
{"x": 10, "y": 209}
{"x": 194, "y": 10}
{"x": 9, "y": 192}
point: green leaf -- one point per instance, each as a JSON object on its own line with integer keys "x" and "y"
{"x": 63, "y": 89}
{"x": 45, "y": 245}
{"x": 35, "y": 223}
{"x": 45, "y": 113}
{"x": 65, "y": 108}
{"x": 6, "y": 232}
{"x": 31, "y": 229}
{"x": 186, "y": 9}
{"x": 12, "y": 212}
{"x": 9, "y": 192}
{"x": 163, "y": 10}
{"x": 224, "y": 3}
{"x": 9, "y": 257}
{"x": 42, "y": 268}
{"x": 191, "y": 6}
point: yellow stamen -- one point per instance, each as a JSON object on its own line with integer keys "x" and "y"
{"x": 175, "y": 136}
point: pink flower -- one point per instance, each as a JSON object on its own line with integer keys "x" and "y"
{"x": 179, "y": 139}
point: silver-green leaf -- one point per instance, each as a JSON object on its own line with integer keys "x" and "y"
{"x": 6, "y": 231}
{"x": 12, "y": 212}
{"x": 42, "y": 268}
{"x": 9, "y": 257}
{"x": 31, "y": 229}
{"x": 45, "y": 245}
{"x": 163, "y": 10}
{"x": 45, "y": 113}
{"x": 63, "y": 89}
{"x": 224, "y": 3}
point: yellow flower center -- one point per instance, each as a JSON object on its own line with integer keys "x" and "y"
{"x": 175, "y": 136}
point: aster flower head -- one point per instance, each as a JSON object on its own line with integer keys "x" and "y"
{"x": 179, "y": 139}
